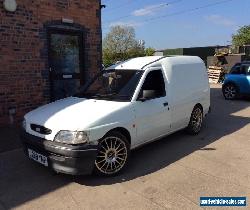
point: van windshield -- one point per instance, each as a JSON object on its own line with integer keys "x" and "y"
{"x": 115, "y": 85}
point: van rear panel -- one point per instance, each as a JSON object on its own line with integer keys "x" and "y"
{"x": 187, "y": 86}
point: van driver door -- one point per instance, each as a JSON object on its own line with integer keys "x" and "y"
{"x": 153, "y": 116}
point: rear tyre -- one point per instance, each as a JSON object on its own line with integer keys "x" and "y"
{"x": 113, "y": 154}
{"x": 196, "y": 119}
{"x": 230, "y": 92}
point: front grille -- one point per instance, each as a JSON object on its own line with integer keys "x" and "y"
{"x": 40, "y": 129}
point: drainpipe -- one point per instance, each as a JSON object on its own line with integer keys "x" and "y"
{"x": 102, "y": 6}
{"x": 12, "y": 113}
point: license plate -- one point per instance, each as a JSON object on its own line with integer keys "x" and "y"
{"x": 38, "y": 157}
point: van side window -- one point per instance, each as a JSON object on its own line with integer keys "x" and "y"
{"x": 154, "y": 81}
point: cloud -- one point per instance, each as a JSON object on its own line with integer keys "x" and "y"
{"x": 149, "y": 10}
{"x": 220, "y": 20}
{"x": 128, "y": 23}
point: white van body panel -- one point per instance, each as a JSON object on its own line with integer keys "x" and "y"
{"x": 151, "y": 117}
{"x": 96, "y": 117}
{"x": 136, "y": 63}
{"x": 186, "y": 84}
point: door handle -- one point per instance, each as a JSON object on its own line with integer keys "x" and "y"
{"x": 165, "y": 104}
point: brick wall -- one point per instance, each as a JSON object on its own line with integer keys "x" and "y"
{"x": 24, "y": 80}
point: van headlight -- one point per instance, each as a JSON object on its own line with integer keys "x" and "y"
{"x": 71, "y": 137}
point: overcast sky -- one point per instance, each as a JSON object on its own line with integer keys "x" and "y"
{"x": 178, "y": 23}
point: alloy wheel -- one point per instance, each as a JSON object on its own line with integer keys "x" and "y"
{"x": 112, "y": 155}
{"x": 230, "y": 92}
{"x": 197, "y": 118}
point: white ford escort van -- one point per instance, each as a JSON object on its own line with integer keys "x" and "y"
{"x": 129, "y": 104}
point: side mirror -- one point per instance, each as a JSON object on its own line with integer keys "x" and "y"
{"x": 147, "y": 95}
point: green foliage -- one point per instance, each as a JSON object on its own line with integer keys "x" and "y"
{"x": 242, "y": 37}
{"x": 178, "y": 51}
{"x": 149, "y": 51}
{"x": 120, "y": 44}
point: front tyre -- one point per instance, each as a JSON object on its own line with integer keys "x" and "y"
{"x": 196, "y": 119}
{"x": 230, "y": 92}
{"x": 113, "y": 154}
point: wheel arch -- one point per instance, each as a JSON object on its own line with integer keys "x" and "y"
{"x": 123, "y": 131}
{"x": 198, "y": 105}
{"x": 231, "y": 83}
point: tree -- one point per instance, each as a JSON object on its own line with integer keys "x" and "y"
{"x": 242, "y": 37}
{"x": 149, "y": 51}
{"x": 121, "y": 44}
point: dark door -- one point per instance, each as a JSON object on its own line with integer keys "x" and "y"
{"x": 65, "y": 53}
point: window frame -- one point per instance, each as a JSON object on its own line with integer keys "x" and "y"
{"x": 143, "y": 79}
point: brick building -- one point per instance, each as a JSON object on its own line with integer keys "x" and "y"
{"x": 48, "y": 48}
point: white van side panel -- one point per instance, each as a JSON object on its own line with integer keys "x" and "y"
{"x": 187, "y": 86}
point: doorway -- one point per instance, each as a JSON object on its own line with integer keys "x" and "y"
{"x": 65, "y": 62}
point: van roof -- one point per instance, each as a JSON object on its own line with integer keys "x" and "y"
{"x": 141, "y": 63}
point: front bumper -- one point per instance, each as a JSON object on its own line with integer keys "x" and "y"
{"x": 68, "y": 159}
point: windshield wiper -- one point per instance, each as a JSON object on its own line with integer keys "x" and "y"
{"x": 84, "y": 95}
{"x": 111, "y": 96}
